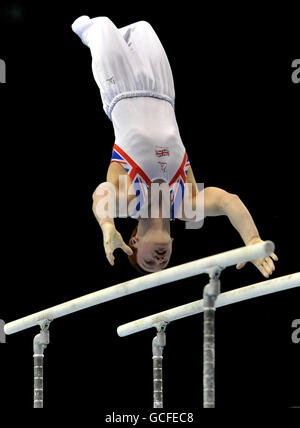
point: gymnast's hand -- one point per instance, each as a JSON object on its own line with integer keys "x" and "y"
{"x": 112, "y": 239}
{"x": 265, "y": 265}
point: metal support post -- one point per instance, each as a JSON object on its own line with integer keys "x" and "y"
{"x": 158, "y": 345}
{"x": 210, "y": 294}
{"x": 40, "y": 343}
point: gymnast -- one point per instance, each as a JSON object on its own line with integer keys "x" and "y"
{"x": 136, "y": 85}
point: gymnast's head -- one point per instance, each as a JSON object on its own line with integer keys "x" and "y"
{"x": 152, "y": 249}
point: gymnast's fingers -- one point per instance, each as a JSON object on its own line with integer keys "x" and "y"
{"x": 270, "y": 263}
{"x": 274, "y": 257}
{"x": 263, "y": 270}
{"x": 267, "y": 267}
{"x": 127, "y": 249}
{"x": 110, "y": 257}
{"x": 240, "y": 265}
{"x": 259, "y": 263}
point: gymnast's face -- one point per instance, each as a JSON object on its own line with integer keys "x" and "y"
{"x": 153, "y": 251}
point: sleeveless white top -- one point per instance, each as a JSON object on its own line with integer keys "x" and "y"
{"x": 149, "y": 147}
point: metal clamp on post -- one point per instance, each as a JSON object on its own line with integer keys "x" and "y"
{"x": 210, "y": 294}
{"x": 212, "y": 289}
{"x": 40, "y": 343}
{"x": 158, "y": 345}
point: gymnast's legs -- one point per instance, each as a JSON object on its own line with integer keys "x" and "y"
{"x": 125, "y": 60}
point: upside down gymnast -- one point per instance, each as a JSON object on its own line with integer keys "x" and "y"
{"x": 136, "y": 85}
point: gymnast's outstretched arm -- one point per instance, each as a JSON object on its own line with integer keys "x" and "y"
{"x": 112, "y": 239}
{"x": 218, "y": 202}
